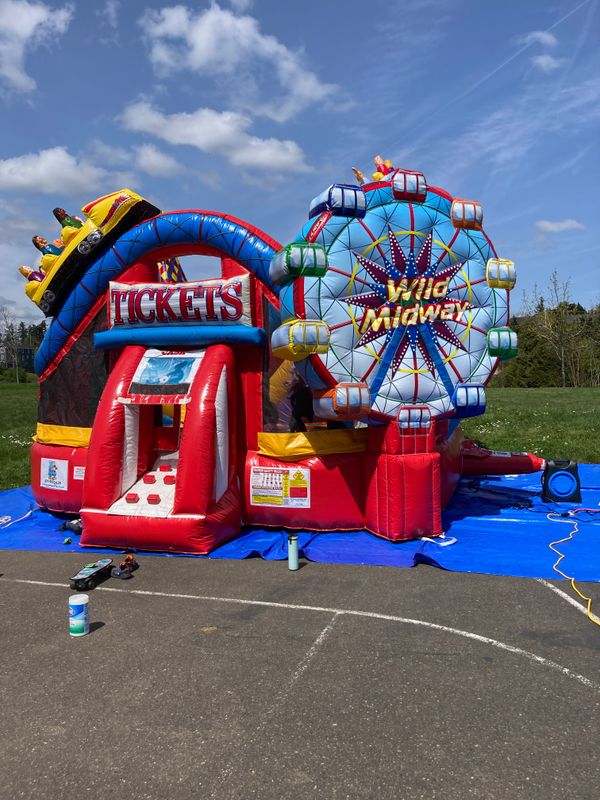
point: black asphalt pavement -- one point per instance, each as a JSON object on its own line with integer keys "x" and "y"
{"x": 237, "y": 679}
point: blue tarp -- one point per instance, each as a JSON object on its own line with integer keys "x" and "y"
{"x": 499, "y": 524}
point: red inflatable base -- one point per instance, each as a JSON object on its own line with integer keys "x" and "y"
{"x": 397, "y": 496}
{"x": 320, "y": 493}
{"x": 57, "y": 474}
{"x": 184, "y": 533}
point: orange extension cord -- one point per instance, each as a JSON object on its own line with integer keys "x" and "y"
{"x": 554, "y": 517}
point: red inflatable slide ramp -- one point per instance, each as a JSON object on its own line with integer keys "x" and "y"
{"x": 154, "y": 494}
{"x": 161, "y": 482}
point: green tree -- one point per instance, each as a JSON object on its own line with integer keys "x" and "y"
{"x": 10, "y": 339}
{"x": 22, "y": 333}
{"x": 559, "y": 341}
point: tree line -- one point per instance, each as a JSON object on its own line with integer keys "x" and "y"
{"x": 559, "y": 341}
{"x": 17, "y": 340}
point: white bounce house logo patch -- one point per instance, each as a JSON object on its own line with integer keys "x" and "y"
{"x": 54, "y": 473}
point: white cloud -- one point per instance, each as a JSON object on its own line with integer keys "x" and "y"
{"x": 154, "y": 162}
{"x": 108, "y": 15}
{"x": 146, "y": 158}
{"x": 547, "y": 226}
{"x": 111, "y": 13}
{"x": 109, "y": 154}
{"x": 24, "y": 26}
{"x": 546, "y": 63}
{"x": 50, "y": 171}
{"x": 217, "y": 133}
{"x": 545, "y": 38}
{"x": 15, "y": 216}
{"x": 218, "y": 43}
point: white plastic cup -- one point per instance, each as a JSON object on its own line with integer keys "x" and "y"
{"x": 79, "y": 621}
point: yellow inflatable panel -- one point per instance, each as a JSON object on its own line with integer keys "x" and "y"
{"x": 68, "y": 232}
{"x": 279, "y": 382}
{"x": 294, "y": 446}
{"x": 31, "y": 288}
{"x": 62, "y": 434}
{"x": 47, "y": 262}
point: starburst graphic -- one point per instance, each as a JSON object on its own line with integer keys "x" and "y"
{"x": 422, "y": 336}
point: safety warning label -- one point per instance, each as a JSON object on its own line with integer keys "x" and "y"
{"x": 280, "y": 486}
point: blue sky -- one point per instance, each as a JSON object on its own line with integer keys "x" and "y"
{"x": 252, "y": 108}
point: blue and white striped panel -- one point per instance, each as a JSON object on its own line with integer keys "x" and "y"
{"x": 280, "y": 337}
{"x": 415, "y": 417}
{"x": 323, "y": 407}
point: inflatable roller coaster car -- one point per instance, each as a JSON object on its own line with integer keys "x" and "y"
{"x": 108, "y": 218}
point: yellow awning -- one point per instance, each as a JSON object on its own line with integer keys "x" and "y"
{"x": 62, "y": 434}
{"x": 293, "y": 446}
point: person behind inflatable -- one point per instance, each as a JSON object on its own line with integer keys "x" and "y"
{"x": 301, "y": 401}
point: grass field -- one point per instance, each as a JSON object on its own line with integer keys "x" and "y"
{"x": 554, "y": 423}
{"x": 551, "y": 422}
{"x": 18, "y": 406}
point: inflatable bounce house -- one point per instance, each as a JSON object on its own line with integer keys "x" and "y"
{"x": 317, "y": 385}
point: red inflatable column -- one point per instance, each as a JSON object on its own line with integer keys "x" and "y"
{"x": 105, "y": 458}
{"x": 402, "y": 471}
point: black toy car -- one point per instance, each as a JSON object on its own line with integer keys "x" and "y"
{"x": 91, "y": 575}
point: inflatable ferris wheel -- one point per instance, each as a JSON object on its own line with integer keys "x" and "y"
{"x": 392, "y": 296}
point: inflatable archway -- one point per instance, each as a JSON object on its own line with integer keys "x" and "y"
{"x": 317, "y": 385}
{"x": 177, "y": 234}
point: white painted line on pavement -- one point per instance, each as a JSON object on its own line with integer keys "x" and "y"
{"x": 311, "y": 652}
{"x": 507, "y": 648}
{"x": 564, "y": 595}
